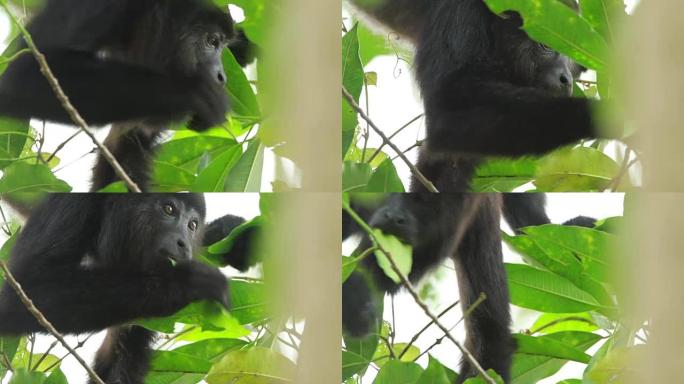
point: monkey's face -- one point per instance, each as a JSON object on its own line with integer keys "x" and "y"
{"x": 178, "y": 229}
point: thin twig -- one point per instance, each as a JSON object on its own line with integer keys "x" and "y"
{"x": 617, "y": 180}
{"x": 9, "y": 278}
{"x": 62, "y": 145}
{"x": 80, "y": 344}
{"x": 423, "y": 180}
{"x": 465, "y": 315}
{"x": 44, "y": 356}
{"x": 74, "y": 115}
{"x": 425, "y": 328}
{"x": 416, "y": 297}
{"x": 390, "y": 137}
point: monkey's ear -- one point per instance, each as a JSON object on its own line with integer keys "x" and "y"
{"x": 244, "y": 50}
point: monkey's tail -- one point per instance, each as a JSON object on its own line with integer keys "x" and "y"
{"x": 528, "y": 209}
{"x": 124, "y": 356}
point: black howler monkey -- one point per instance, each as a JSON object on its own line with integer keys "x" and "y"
{"x": 140, "y": 64}
{"x": 487, "y": 88}
{"x": 93, "y": 261}
{"x": 460, "y": 226}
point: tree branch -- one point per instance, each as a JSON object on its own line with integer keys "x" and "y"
{"x": 416, "y": 297}
{"x": 423, "y": 180}
{"x": 44, "y": 322}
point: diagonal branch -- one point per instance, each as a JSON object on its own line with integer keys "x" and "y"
{"x": 68, "y": 107}
{"x": 44, "y": 322}
{"x": 423, "y": 180}
{"x": 416, "y": 297}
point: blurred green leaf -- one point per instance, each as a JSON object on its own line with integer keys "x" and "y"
{"x": 400, "y": 252}
{"x": 254, "y": 366}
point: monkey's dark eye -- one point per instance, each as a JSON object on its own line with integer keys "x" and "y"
{"x": 213, "y": 41}
{"x": 192, "y": 225}
{"x": 169, "y": 209}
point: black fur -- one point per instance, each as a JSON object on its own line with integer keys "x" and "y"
{"x": 93, "y": 261}
{"x": 488, "y": 89}
{"x": 144, "y": 63}
{"x": 431, "y": 224}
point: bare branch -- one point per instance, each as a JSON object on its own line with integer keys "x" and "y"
{"x": 423, "y": 180}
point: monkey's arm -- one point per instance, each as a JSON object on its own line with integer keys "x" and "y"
{"x": 241, "y": 255}
{"x": 75, "y": 299}
{"x": 494, "y": 118}
{"x": 106, "y": 91}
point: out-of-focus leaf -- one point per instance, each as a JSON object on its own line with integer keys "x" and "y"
{"x": 355, "y": 176}
{"x": 385, "y": 179}
{"x": 252, "y": 366}
{"x": 575, "y": 169}
{"x": 13, "y": 137}
{"x": 400, "y": 252}
{"x": 28, "y": 183}
{"x": 398, "y": 372}
{"x": 352, "y": 81}
{"x": 245, "y": 176}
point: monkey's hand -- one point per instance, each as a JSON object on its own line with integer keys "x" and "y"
{"x": 205, "y": 283}
{"x": 208, "y": 104}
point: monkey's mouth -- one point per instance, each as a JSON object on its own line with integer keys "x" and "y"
{"x": 172, "y": 257}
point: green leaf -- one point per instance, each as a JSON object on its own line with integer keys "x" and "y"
{"x": 549, "y": 323}
{"x": 209, "y": 316}
{"x": 56, "y": 377}
{"x": 575, "y": 169}
{"x": 603, "y": 15}
{"x": 400, "y": 252}
{"x": 13, "y": 137}
{"x": 226, "y": 244}
{"x": 187, "y": 152}
{"x": 437, "y": 373}
{"x": 382, "y": 353}
{"x": 559, "y": 27}
{"x": 355, "y": 176}
{"x": 358, "y": 352}
{"x": 399, "y": 372}
{"x": 385, "y": 179}
{"x": 546, "y": 292}
{"x": 618, "y": 366}
{"x": 544, "y": 346}
{"x": 249, "y": 302}
{"x": 348, "y": 266}
{"x": 252, "y": 366}
{"x": 479, "y": 380}
{"x": 352, "y": 81}
{"x": 503, "y": 175}
{"x": 22, "y": 376}
{"x": 245, "y": 175}
{"x": 242, "y": 98}
{"x": 530, "y": 368}
{"x": 214, "y": 177}
{"x": 28, "y": 183}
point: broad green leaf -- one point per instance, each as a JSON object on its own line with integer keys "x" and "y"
{"x": 400, "y": 252}
{"x": 385, "y": 179}
{"x": 559, "y": 27}
{"x": 8, "y": 346}
{"x": 28, "y": 183}
{"x": 56, "y": 377}
{"x": 503, "y": 175}
{"x": 545, "y": 346}
{"x": 546, "y": 292}
{"x": 382, "y": 353}
{"x": 245, "y": 175}
{"x": 22, "y": 376}
{"x": 209, "y": 316}
{"x": 549, "y": 323}
{"x": 618, "y": 366}
{"x": 399, "y": 372}
{"x": 358, "y": 352}
{"x": 355, "y": 176}
{"x": 479, "y": 380}
{"x": 213, "y": 178}
{"x": 530, "y": 369}
{"x": 352, "y": 81}
{"x": 436, "y": 373}
{"x": 357, "y": 155}
{"x": 575, "y": 169}
{"x": 348, "y": 266}
{"x": 249, "y": 302}
{"x": 252, "y": 366}
{"x": 13, "y": 137}
{"x": 187, "y": 152}
{"x": 242, "y": 98}
{"x": 177, "y": 362}
{"x": 603, "y": 15}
